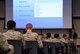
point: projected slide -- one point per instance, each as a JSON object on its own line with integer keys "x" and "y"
{"x": 48, "y": 10}
{"x": 41, "y": 13}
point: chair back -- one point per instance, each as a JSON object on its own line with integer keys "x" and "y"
{"x": 17, "y": 44}
{"x": 31, "y": 47}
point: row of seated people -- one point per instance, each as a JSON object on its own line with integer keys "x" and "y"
{"x": 11, "y": 34}
{"x": 31, "y": 47}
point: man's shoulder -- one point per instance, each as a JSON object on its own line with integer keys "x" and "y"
{"x": 17, "y": 32}
{"x": 1, "y": 35}
{"x": 11, "y": 32}
{"x": 61, "y": 39}
{"x": 31, "y": 33}
{"x": 34, "y": 33}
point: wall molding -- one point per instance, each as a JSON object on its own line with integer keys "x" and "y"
{"x": 2, "y": 0}
{"x": 76, "y": 17}
{"x": 2, "y": 18}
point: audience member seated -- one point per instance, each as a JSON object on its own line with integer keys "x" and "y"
{"x": 4, "y": 46}
{"x": 30, "y": 36}
{"x": 56, "y": 38}
{"x": 47, "y": 45}
{"x": 48, "y": 38}
{"x": 64, "y": 39}
{"x": 75, "y": 36}
{"x": 65, "y": 45}
{"x": 69, "y": 46}
{"x": 57, "y": 43}
{"x": 41, "y": 39}
{"x": 11, "y": 34}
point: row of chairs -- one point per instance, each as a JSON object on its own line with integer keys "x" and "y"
{"x": 31, "y": 47}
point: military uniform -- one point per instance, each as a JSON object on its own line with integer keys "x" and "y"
{"x": 64, "y": 40}
{"x": 30, "y": 36}
{"x": 12, "y": 35}
{"x": 48, "y": 40}
{"x": 4, "y": 44}
{"x": 56, "y": 40}
{"x": 2, "y": 40}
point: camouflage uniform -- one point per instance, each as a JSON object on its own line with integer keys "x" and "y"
{"x": 2, "y": 40}
{"x": 4, "y": 44}
{"x": 12, "y": 35}
{"x": 64, "y": 40}
{"x": 56, "y": 40}
{"x": 32, "y": 36}
{"x": 48, "y": 40}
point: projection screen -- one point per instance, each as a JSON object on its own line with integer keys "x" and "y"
{"x": 43, "y": 14}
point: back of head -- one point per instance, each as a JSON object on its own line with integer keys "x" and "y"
{"x": 56, "y": 35}
{"x": 48, "y": 35}
{"x": 75, "y": 35}
{"x": 11, "y": 24}
{"x": 64, "y": 35}
{"x": 29, "y": 26}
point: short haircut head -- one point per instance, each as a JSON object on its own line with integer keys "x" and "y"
{"x": 56, "y": 35}
{"x": 64, "y": 35}
{"x": 75, "y": 34}
{"x": 11, "y": 24}
{"x": 48, "y": 35}
{"x": 29, "y": 26}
